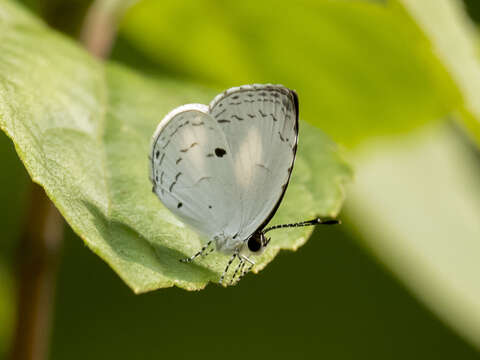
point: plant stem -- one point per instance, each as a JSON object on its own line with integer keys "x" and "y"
{"x": 38, "y": 259}
{"x": 100, "y": 27}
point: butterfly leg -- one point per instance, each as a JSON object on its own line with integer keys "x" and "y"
{"x": 208, "y": 252}
{"x": 238, "y": 270}
{"x": 228, "y": 265}
{"x": 245, "y": 271}
{"x": 202, "y": 252}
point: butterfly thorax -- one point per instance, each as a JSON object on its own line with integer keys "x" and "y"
{"x": 253, "y": 245}
{"x": 227, "y": 244}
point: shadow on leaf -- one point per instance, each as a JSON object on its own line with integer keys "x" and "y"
{"x": 132, "y": 247}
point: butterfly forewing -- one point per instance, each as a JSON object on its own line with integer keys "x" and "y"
{"x": 260, "y": 125}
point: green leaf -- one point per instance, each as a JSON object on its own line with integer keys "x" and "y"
{"x": 416, "y": 203}
{"x": 83, "y": 131}
{"x": 363, "y": 68}
{"x": 455, "y": 42}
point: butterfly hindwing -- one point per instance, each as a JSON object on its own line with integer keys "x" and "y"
{"x": 190, "y": 169}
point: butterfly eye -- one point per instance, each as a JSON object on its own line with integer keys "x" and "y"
{"x": 254, "y": 244}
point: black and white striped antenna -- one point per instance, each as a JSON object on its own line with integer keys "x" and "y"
{"x": 313, "y": 222}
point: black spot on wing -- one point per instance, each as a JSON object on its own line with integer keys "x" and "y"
{"x": 262, "y": 113}
{"x": 221, "y": 121}
{"x": 178, "y": 160}
{"x": 179, "y": 205}
{"x": 220, "y": 152}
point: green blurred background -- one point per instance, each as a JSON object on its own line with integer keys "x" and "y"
{"x": 337, "y": 296}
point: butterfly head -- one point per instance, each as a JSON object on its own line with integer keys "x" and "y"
{"x": 257, "y": 243}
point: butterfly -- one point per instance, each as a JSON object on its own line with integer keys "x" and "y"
{"x": 223, "y": 169}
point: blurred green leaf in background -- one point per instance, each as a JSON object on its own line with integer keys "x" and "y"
{"x": 425, "y": 226}
{"x": 363, "y": 54}
{"x": 394, "y": 82}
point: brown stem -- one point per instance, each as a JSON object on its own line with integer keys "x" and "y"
{"x": 38, "y": 259}
{"x": 100, "y": 27}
